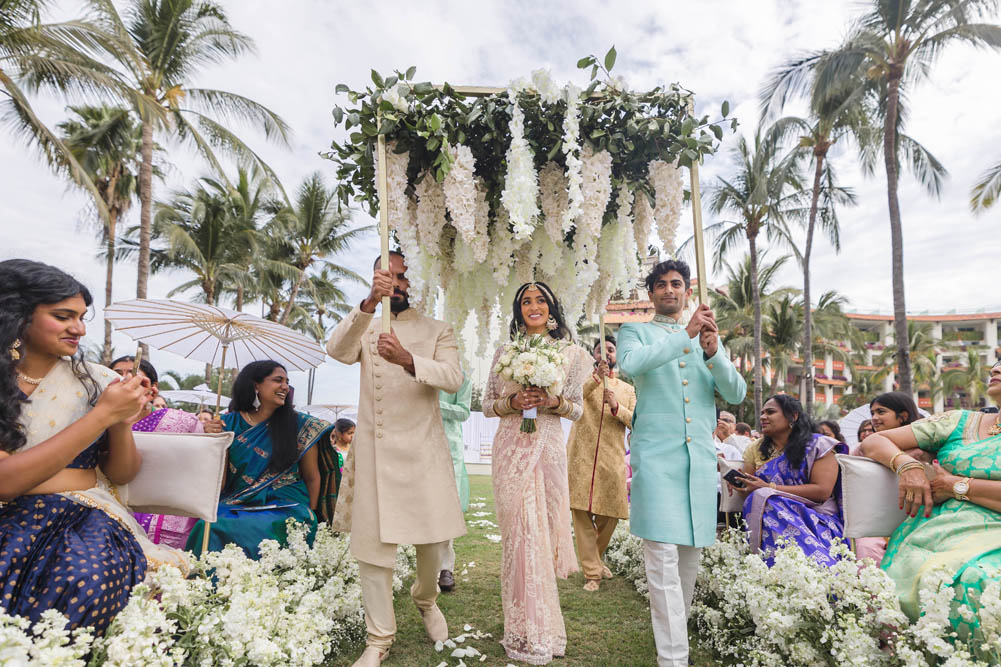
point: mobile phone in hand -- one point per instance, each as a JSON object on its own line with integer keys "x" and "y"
{"x": 734, "y": 477}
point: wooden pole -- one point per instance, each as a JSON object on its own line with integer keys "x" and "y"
{"x": 700, "y": 244}
{"x": 383, "y": 220}
{"x": 601, "y": 345}
{"x": 222, "y": 369}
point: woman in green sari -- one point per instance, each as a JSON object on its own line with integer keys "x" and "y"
{"x": 960, "y": 526}
{"x": 273, "y": 470}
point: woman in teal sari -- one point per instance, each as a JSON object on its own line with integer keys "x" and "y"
{"x": 959, "y": 527}
{"x": 273, "y": 469}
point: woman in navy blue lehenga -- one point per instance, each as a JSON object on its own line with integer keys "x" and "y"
{"x": 792, "y": 477}
{"x": 66, "y": 543}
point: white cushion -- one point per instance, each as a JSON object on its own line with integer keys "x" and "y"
{"x": 735, "y": 502}
{"x": 181, "y": 474}
{"x": 870, "y": 497}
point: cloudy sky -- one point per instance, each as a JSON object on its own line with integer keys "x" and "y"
{"x": 720, "y": 49}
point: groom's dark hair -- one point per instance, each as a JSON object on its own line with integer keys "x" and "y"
{"x": 375, "y": 264}
{"x": 667, "y": 267}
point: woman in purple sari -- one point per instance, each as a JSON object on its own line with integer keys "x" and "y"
{"x": 161, "y": 528}
{"x": 792, "y": 479}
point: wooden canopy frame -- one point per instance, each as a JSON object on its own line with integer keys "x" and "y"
{"x": 484, "y": 91}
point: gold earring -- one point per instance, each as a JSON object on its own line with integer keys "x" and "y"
{"x": 14, "y": 354}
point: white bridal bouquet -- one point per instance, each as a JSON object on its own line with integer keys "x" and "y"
{"x": 533, "y": 361}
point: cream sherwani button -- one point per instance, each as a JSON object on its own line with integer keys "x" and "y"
{"x": 688, "y": 439}
{"x": 688, "y": 350}
{"x": 682, "y": 364}
{"x": 687, "y": 400}
{"x": 688, "y": 420}
{"x": 684, "y": 382}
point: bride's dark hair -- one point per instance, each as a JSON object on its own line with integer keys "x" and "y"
{"x": 25, "y": 285}
{"x": 562, "y": 331}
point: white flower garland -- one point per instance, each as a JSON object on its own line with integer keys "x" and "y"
{"x": 544, "y": 84}
{"x": 430, "y": 213}
{"x": 669, "y": 187}
{"x": 460, "y": 192}
{"x": 571, "y": 149}
{"x": 643, "y": 223}
{"x": 554, "y": 200}
{"x": 521, "y": 187}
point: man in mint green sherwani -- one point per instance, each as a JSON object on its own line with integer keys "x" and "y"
{"x": 454, "y": 411}
{"x": 676, "y": 368}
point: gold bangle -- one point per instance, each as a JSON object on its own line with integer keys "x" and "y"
{"x": 892, "y": 466}
{"x": 772, "y": 485}
{"x": 909, "y": 465}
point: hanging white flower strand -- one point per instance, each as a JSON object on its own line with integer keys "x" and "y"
{"x": 571, "y": 149}
{"x": 521, "y": 188}
{"x": 596, "y": 171}
{"x": 460, "y": 192}
{"x": 668, "y": 185}
{"x": 643, "y": 222}
{"x": 553, "y": 196}
{"x": 402, "y": 214}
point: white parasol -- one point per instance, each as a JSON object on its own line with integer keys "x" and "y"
{"x": 331, "y": 412}
{"x": 849, "y": 423}
{"x": 217, "y": 336}
{"x": 199, "y": 396}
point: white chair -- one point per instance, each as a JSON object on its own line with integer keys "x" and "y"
{"x": 730, "y": 503}
{"x": 181, "y": 474}
{"x": 869, "y": 496}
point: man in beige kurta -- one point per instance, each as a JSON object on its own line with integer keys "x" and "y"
{"x": 597, "y": 464}
{"x": 399, "y": 485}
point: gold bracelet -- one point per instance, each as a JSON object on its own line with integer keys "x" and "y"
{"x": 893, "y": 467}
{"x": 772, "y": 485}
{"x": 909, "y": 465}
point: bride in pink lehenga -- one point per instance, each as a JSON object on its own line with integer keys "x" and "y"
{"x": 530, "y": 488}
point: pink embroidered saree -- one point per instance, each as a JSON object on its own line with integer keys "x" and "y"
{"x": 532, "y": 498}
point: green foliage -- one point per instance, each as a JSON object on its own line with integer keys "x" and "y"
{"x": 634, "y": 127}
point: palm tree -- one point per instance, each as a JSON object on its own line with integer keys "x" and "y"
{"x": 312, "y": 230}
{"x": 783, "y": 330}
{"x": 247, "y": 200}
{"x": 763, "y": 192}
{"x": 51, "y": 55}
{"x": 158, "y": 50}
{"x": 985, "y": 192}
{"x": 105, "y": 142}
{"x": 896, "y": 43}
{"x": 969, "y": 381}
{"x": 835, "y": 118}
{"x": 865, "y": 386}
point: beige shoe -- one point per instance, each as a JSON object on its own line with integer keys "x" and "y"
{"x": 434, "y": 623}
{"x": 605, "y": 572}
{"x": 371, "y": 657}
{"x": 591, "y": 585}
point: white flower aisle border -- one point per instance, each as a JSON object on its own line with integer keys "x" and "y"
{"x": 487, "y": 189}
{"x": 295, "y": 606}
{"x": 800, "y": 613}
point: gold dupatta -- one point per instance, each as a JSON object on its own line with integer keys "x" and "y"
{"x": 59, "y": 401}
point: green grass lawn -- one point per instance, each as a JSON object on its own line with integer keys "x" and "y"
{"x": 610, "y": 627}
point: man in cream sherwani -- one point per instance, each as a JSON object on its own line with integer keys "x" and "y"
{"x": 399, "y": 485}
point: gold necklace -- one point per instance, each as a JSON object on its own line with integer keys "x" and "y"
{"x": 33, "y": 381}
{"x": 995, "y": 428}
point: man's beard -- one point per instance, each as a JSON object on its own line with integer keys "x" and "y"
{"x": 399, "y": 302}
